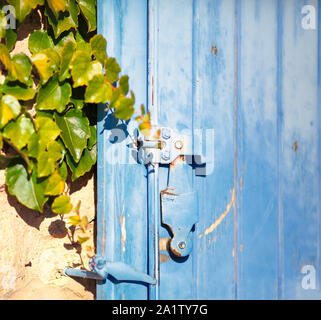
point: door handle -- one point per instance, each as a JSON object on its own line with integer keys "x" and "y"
{"x": 100, "y": 269}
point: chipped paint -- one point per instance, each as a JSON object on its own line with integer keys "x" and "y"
{"x": 214, "y": 50}
{"x": 221, "y": 218}
{"x": 123, "y": 232}
{"x": 163, "y": 244}
{"x": 163, "y": 258}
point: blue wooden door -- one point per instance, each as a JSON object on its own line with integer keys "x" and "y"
{"x": 243, "y": 77}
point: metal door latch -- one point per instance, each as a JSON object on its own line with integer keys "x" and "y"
{"x": 179, "y": 210}
{"x": 100, "y": 269}
{"x": 180, "y": 213}
{"x": 165, "y": 145}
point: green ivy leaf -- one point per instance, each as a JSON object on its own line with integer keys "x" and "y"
{"x": 83, "y": 69}
{"x": 55, "y": 185}
{"x": 35, "y": 146}
{"x": 123, "y": 83}
{"x": 61, "y": 205}
{"x": 63, "y": 171}
{"x": 98, "y": 45}
{"x": 46, "y": 164}
{"x": 86, "y": 162}
{"x": 18, "y": 132}
{"x": 24, "y": 7}
{"x": 39, "y": 40}
{"x": 75, "y": 131}
{"x": 82, "y": 45}
{"x": 5, "y": 57}
{"x": 124, "y": 107}
{"x": 74, "y": 220}
{"x": 53, "y": 96}
{"x": 20, "y": 68}
{"x": 28, "y": 190}
{"x": 47, "y": 129}
{"x": 9, "y": 109}
{"x": 3, "y": 24}
{"x": 65, "y": 21}
{"x": 63, "y": 39}
{"x": 112, "y": 70}
{"x": 56, "y": 150}
{"x": 98, "y": 90}
{"x": 18, "y": 90}
{"x": 93, "y": 137}
{"x": 57, "y": 5}
{"x": 88, "y": 9}
{"x": 47, "y": 63}
{"x": 11, "y": 37}
{"x": 67, "y": 53}
{"x": 82, "y": 240}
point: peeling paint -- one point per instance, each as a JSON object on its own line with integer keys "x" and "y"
{"x": 221, "y": 218}
{"x": 163, "y": 258}
{"x": 163, "y": 244}
{"x": 123, "y": 232}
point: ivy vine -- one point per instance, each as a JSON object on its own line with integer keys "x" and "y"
{"x": 67, "y": 74}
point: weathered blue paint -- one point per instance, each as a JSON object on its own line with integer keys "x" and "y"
{"x": 246, "y": 73}
{"x": 121, "y": 183}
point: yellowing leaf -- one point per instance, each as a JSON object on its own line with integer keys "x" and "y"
{"x": 98, "y": 90}
{"x": 55, "y": 185}
{"x": 74, "y": 220}
{"x": 9, "y": 109}
{"x": 98, "y": 45}
{"x": 61, "y": 205}
{"x": 18, "y": 132}
{"x": 83, "y": 69}
{"x": 23, "y": 7}
{"x": 46, "y": 164}
{"x": 82, "y": 240}
{"x": 57, "y": 5}
{"x": 47, "y": 63}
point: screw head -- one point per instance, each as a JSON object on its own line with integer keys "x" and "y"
{"x": 181, "y": 245}
{"x": 166, "y": 133}
{"x": 166, "y": 155}
{"x": 179, "y": 144}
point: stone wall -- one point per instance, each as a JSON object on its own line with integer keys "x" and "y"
{"x": 34, "y": 247}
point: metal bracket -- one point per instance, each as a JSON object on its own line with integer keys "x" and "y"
{"x": 180, "y": 213}
{"x": 165, "y": 145}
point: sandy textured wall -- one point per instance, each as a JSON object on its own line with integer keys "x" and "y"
{"x": 34, "y": 246}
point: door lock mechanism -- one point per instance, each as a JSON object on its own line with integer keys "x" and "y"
{"x": 179, "y": 209}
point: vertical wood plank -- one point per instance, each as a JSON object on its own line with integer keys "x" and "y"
{"x": 299, "y": 153}
{"x": 122, "y": 185}
{"x": 214, "y": 103}
{"x": 174, "y": 98}
{"x": 257, "y": 152}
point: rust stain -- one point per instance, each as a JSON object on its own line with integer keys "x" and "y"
{"x": 163, "y": 244}
{"x": 214, "y": 50}
{"x": 241, "y": 183}
{"x": 177, "y": 253}
{"x": 180, "y": 159}
{"x": 123, "y": 232}
{"x": 295, "y": 146}
{"x": 221, "y": 218}
{"x": 241, "y": 247}
{"x": 166, "y": 191}
{"x": 163, "y": 258}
